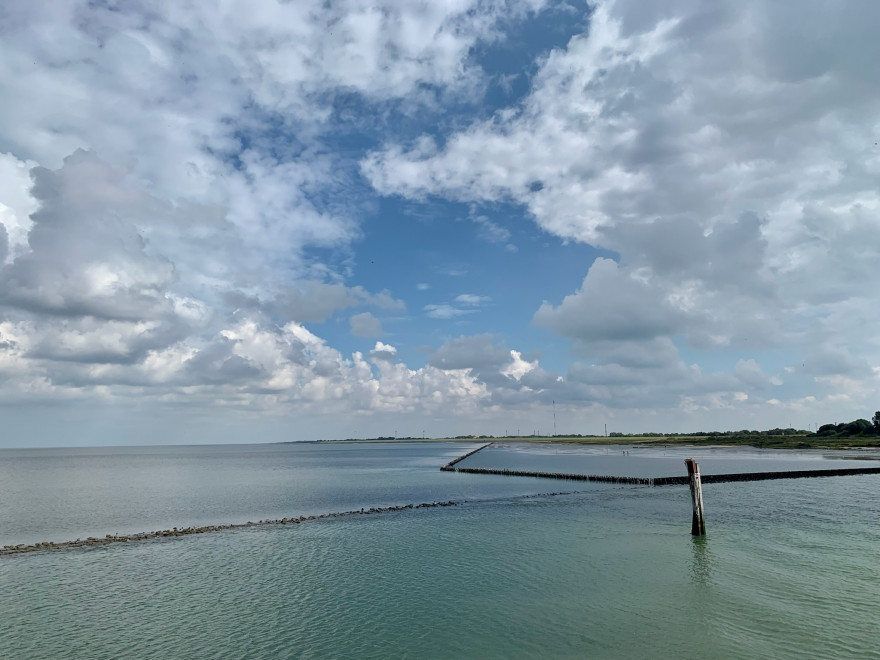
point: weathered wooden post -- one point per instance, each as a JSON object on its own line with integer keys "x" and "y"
{"x": 698, "y": 524}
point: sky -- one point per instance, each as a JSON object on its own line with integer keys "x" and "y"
{"x": 264, "y": 221}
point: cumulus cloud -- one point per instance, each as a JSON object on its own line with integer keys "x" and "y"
{"x": 87, "y": 257}
{"x": 83, "y": 76}
{"x": 612, "y": 305}
{"x": 728, "y": 158}
{"x": 479, "y": 352}
{"x": 157, "y": 206}
{"x": 163, "y": 215}
{"x": 102, "y": 302}
{"x": 365, "y": 325}
{"x": 383, "y": 352}
{"x": 487, "y": 359}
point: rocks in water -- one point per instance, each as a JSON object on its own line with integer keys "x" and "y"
{"x": 94, "y": 541}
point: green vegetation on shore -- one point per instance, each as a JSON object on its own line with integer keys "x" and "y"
{"x": 858, "y": 433}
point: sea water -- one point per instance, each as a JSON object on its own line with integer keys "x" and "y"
{"x": 789, "y": 569}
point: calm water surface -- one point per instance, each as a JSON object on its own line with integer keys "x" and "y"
{"x": 790, "y": 569}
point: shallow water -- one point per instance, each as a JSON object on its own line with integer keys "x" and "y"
{"x": 789, "y": 569}
{"x": 640, "y": 461}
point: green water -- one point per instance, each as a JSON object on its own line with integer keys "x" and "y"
{"x": 610, "y": 575}
{"x": 789, "y": 569}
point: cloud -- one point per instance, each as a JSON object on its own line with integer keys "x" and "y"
{"x": 365, "y": 325}
{"x": 383, "y": 353}
{"x": 728, "y": 158}
{"x": 446, "y": 311}
{"x": 487, "y": 359}
{"x": 16, "y": 204}
{"x": 492, "y": 232}
{"x": 612, "y": 305}
{"x": 465, "y": 303}
{"x": 471, "y": 299}
{"x": 310, "y": 300}
{"x": 752, "y": 376}
{"x": 170, "y": 222}
{"x": 87, "y": 257}
{"x": 479, "y": 352}
{"x": 246, "y": 129}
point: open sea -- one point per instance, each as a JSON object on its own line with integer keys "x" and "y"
{"x": 521, "y": 568}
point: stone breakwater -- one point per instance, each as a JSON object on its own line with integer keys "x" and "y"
{"x": 93, "y": 541}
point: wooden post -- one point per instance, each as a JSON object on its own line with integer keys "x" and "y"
{"x": 698, "y": 524}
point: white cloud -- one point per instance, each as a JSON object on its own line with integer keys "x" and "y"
{"x": 471, "y": 299}
{"x": 494, "y": 233}
{"x": 729, "y": 159}
{"x": 133, "y": 84}
{"x": 383, "y": 352}
{"x": 16, "y": 203}
{"x": 158, "y": 207}
{"x": 518, "y": 367}
{"x": 465, "y": 303}
{"x": 445, "y": 311}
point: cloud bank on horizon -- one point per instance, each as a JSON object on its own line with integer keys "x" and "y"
{"x": 278, "y": 221}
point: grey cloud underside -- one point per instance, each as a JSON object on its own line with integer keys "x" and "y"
{"x": 365, "y": 325}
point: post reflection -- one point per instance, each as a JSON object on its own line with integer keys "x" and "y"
{"x": 702, "y": 560}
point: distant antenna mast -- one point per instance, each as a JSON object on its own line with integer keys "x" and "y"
{"x": 554, "y": 418}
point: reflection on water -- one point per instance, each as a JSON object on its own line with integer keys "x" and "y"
{"x": 701, "y": 560}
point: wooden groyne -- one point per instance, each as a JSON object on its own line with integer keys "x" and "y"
{"x": 693, "y": 479}
{"x": 556, "y": 475}
{"x": 675, "y": 481}
{"x": 450, "y": 466}
{"x": 764, "y": 476}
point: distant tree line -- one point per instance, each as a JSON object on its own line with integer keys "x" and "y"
{"x": 848, "y": 429}
{"x": 712, "y": 434}
{"x": 858, "y": 427}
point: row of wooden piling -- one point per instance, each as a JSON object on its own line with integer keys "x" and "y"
{"x": 93, "y": 541}
{"x": 693, "y": 480}
{"x": 450, "y": 466}
{"x": 764, "y": 476}
{"x": 672, "y": 481}
{"x": 641, "y": 481}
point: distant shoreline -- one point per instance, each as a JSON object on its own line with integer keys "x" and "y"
{"x": 758, "y": 442}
